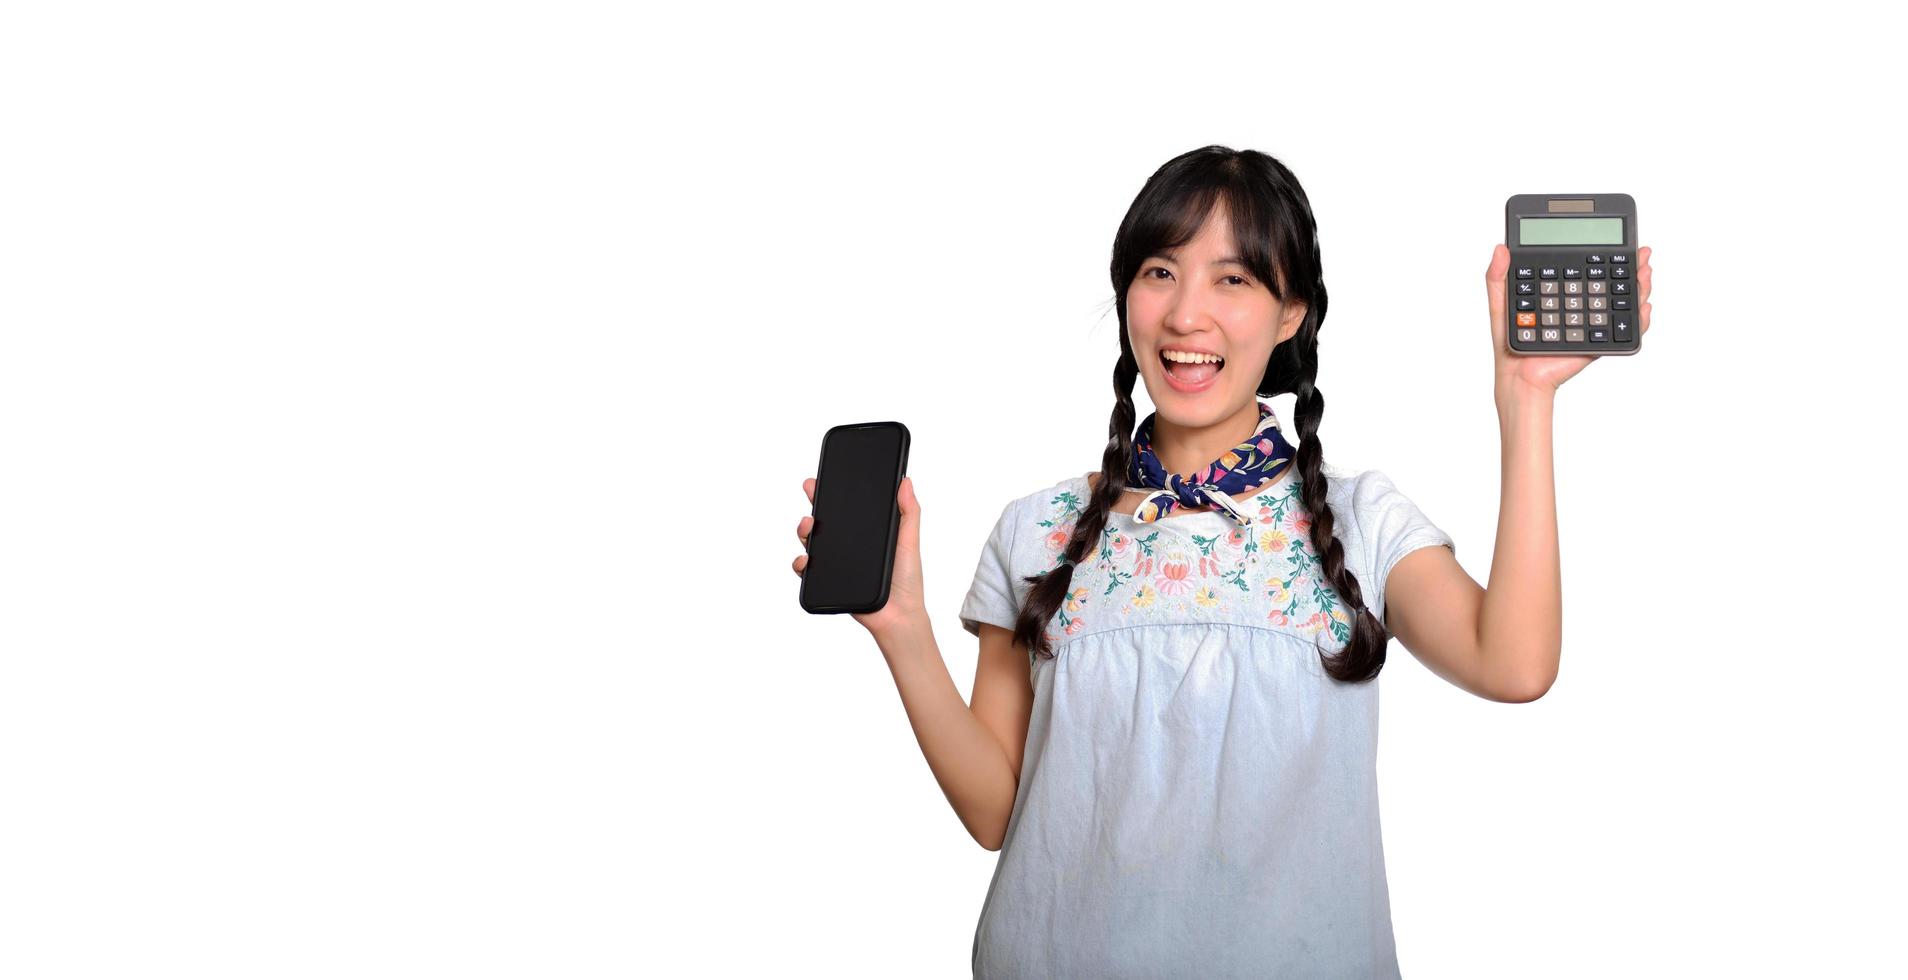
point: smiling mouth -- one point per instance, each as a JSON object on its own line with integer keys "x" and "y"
{"x": 1191, "y": 374}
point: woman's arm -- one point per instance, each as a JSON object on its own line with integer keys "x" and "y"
{"x": 1520, "y": 623}
{"x": 1503, "y": 641}
{"x": 965, "y": 747}
{"x": 968, "y": 760}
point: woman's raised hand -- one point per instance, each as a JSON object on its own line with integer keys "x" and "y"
{"x": 907, "y": 605}
{"x": 1545, "y": 372}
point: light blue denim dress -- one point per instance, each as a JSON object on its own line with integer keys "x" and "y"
{"x": 1198, "y": 798}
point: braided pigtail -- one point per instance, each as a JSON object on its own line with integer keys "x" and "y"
{"x": 1054, "y": 587}
{"x": 1364, "y": 653}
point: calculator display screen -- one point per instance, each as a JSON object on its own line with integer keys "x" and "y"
{"x": 1570, "y": 231}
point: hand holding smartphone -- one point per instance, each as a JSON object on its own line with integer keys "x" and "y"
{"x": 863, "y": 533}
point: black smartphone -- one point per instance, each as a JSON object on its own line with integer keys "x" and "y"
{"x": 857, "y": 518}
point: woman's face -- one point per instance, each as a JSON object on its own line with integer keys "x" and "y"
{"x": 1200, "y": 298}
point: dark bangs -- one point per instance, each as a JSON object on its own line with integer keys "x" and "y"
{"x": 1169, "y": 212}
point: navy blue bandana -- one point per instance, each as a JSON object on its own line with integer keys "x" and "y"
{"x": 1261, "y": 458}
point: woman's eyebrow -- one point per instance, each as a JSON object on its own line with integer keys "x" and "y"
{"x": 1226, "y": 260}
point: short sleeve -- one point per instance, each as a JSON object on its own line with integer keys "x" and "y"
{"x": 992, "y": 597}
{"x": 1392, "y": 527}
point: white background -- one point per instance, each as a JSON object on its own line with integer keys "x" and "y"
{"x": 404, "y": 408}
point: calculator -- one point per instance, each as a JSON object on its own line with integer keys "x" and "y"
{"x": 1570, "y": 281}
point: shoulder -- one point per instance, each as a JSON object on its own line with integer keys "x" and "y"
{"x": 1382, "y": 522}
{"x": 1368, "y": 507}
{"x": 1356, "y": 489}
{"x": 1034, "y": 527}
{"x": 1056, "y": 503}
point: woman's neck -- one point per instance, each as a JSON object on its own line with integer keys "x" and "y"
{"x": 1187, "y": 450}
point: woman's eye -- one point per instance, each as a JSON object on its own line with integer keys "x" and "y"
{"x": 1149, "y": 274}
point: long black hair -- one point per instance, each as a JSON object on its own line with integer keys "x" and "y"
{"x": 1278, "y": 241}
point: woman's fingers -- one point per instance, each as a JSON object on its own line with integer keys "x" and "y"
{"x": 802, "y": 527}
{"x": 1494, "y": 276}
{"x": 1643, "y": 290}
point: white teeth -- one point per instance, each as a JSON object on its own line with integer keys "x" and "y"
{"x": 1185, "y": 358}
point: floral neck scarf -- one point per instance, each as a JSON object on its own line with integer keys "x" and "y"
{"x": 1253, "y": 462}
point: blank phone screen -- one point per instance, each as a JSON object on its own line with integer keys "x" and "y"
{"x": 854, "y": 515}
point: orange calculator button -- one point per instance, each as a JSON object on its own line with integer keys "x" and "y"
{"x": 1526, "y": 319}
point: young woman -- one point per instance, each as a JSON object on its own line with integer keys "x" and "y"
{"x": 1173, "y": 735}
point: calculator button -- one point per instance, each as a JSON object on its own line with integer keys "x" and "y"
{"x": 1547, "y": 288}
{"x": 1573, "y": 336}
{"x": 1524, "y": 272}
{"x": 1547, "y": 272}
{"x": 1597, "y": 302}
{"x": 1546, "y": 302}
{"x": 1526, "y": 289}
{"x": 1594, "y": 272}
{"x": 1526, "y": 303}
{"x": 1620, "y": 272}
{"x": 1621, "y": 329}
{"x": 1573, "y": 302}
{"x": 1619, "y": 258}
{"x": 1526, "y": 334}
{"x": 1573, "y": 319}
{"x": 1619, "y": 288}
{"x": 1598, "y": 286}
{"x": 1572, "y": 272}
{"x": 1552, "y": 336}
{"x": 1619, "y": 304}
{"x": 1594, "y": 259}
{"x": 1572, "y": 287}
{"x": 1598, "y": 336}
{"x": 1549, "y": 319}
{"x": 1526, "y": 319}
{"x": 1599, "y": 319}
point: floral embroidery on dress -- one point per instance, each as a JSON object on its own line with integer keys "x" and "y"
{"x": 1059, "y": 531}
{"x": 1151, "y": 571}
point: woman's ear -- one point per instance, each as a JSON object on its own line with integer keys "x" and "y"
{"x": 1290, "y": 317}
